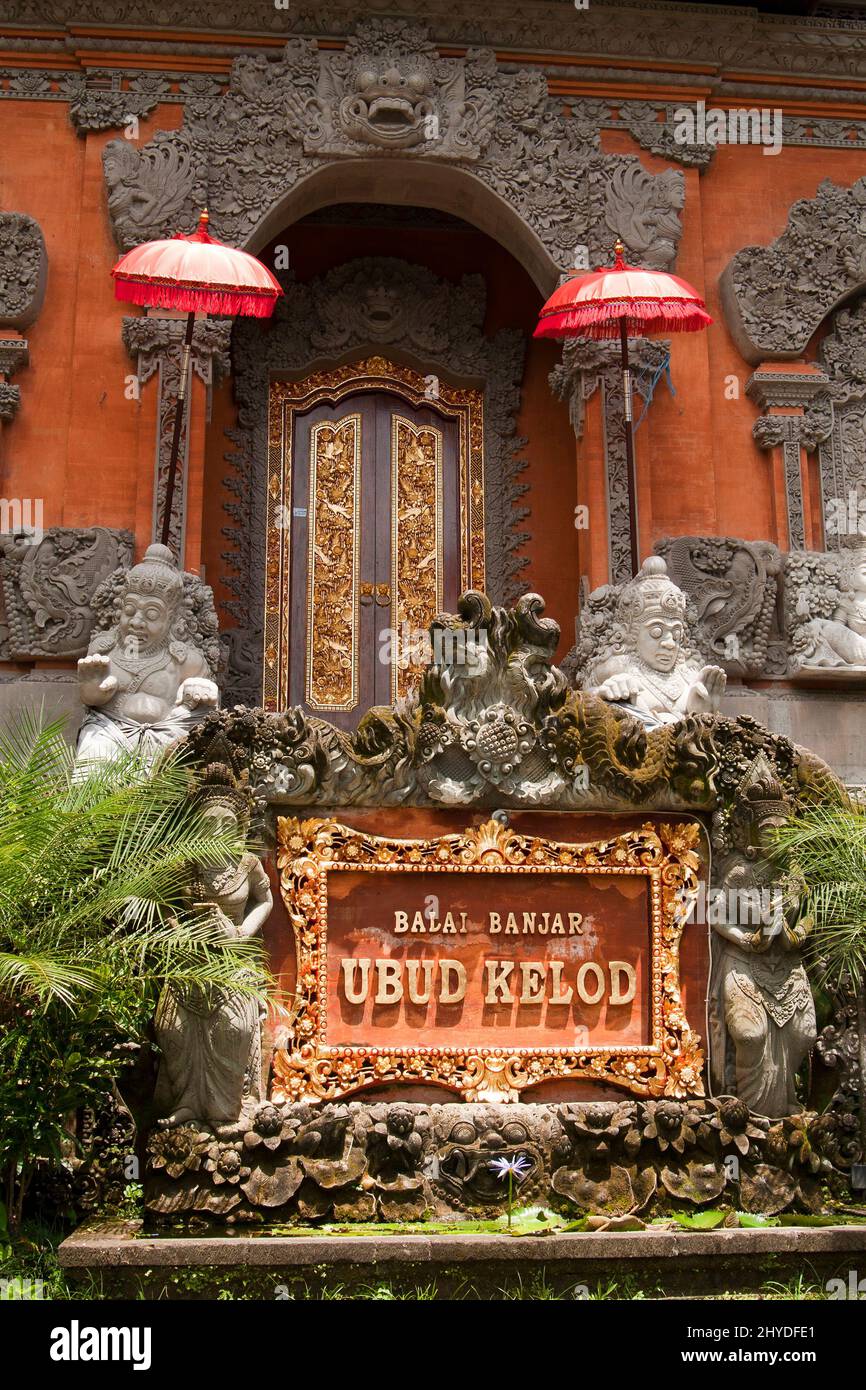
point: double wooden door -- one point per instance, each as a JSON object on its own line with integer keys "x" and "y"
{"x": 375, "y": 548}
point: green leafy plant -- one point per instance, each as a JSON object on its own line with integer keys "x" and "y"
{"x": 825, "y": 846}
{"x": 92, "y": 925}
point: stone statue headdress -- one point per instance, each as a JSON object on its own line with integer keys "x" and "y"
{"x": 218, "y": 785}
{"x": 188, "y": 598}
{"x": 222, "y": 782}
{"x": 156, "y": 574}
{"x": 651, "y": 593}
{"x": 759, "y": 801}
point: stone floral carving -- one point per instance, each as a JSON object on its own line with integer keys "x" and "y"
{"x": 48, "y": 587}
{"x": 642, "y": 660}
{"x": 762, "y": 1016}
{"x": 585, "y": 1160}
{"x": 210, "y": 1043}
{"x": 733, "y": 586}
{"x": 25, "y": 269}
{"x": 387, "y": 93}
{"x": 776, "y": 296}
{"x": 148, "y": 674}
{"x": 826, "y": 612}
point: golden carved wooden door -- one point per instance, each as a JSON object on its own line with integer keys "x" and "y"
{"x": 375, "y": 549}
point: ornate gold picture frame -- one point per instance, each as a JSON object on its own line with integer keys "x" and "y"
{"x": 312, "y": 1067}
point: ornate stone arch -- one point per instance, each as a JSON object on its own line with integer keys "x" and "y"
{"x": 403, "y": 124}
{"x": 360, "y": 307}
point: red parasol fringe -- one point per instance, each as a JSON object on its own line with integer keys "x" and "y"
{"x": 252, "y": 303}
{"x": 642, "y": 316}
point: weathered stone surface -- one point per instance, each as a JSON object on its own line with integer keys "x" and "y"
{"x": 600, "y": 1158}
{"x": 48, "y": 586}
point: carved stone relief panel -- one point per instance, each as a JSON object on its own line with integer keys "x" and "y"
{"x": 389, "y": 94}
{"x": 735, "y": 588}
{"x": 47, "y": 588}
{"x": 25, "y": 269}
{"x": 776, "y": 296}
{"x": 842, "y": 452}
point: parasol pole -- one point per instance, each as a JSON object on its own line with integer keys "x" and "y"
{"x": 629, "y": 447}
{"x": 178, "y": 423}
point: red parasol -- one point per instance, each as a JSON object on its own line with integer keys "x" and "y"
{"x": 613, "y": 302}
{"x": 198, "y": 274}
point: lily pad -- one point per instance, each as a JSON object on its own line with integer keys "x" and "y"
{"x": 767, "y": 1190}
{"x": 533, "y": 1221}
{"x": 273, "y": 1182}
{"x": 694, "y": 1181}
{"x": 706, "y": 1220}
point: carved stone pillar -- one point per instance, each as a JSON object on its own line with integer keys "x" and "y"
{"x": 155, "y": 343}
{"x": 22, "y": 290}
{"x": 795, "y": 420}
{"x": 589, "y": 365}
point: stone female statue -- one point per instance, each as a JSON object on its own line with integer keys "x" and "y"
{"x": 761, "y": 1011}
{"x": 210, "y": 1042}
{"x": 646, "y": 663}
{"x": 146, "y": 679}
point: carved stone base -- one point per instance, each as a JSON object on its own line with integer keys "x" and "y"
{"x": 399, "y": 1161}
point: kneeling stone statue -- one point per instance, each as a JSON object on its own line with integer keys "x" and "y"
{"x": 643, "y": 659}
{"x": 148, "y": 674}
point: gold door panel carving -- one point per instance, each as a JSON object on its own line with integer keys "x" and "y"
{"x": 332, "y": 574}
{"x": 417, "y": 561}
{"x": 334, "y": 603}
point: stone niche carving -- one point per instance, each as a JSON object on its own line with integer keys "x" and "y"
{"x": 25, "y": 270}
{"x": 734, "y": 588}
{"x": 637, "y": 647}
{"x": 386, "y": 303}
{"x": 388, "y": 94}
{"x": 825, "y": 612}
{"x": 776, "y": 296}
{"x": 47, "y": 588}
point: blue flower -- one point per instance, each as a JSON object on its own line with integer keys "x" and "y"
{"x": 519, "y": 1165}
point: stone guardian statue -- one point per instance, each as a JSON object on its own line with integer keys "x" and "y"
{"x": 645, "y": 661}
{"x": 148, "y": 676}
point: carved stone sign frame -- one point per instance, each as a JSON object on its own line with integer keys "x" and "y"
{"x": 309, "y": 1068}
